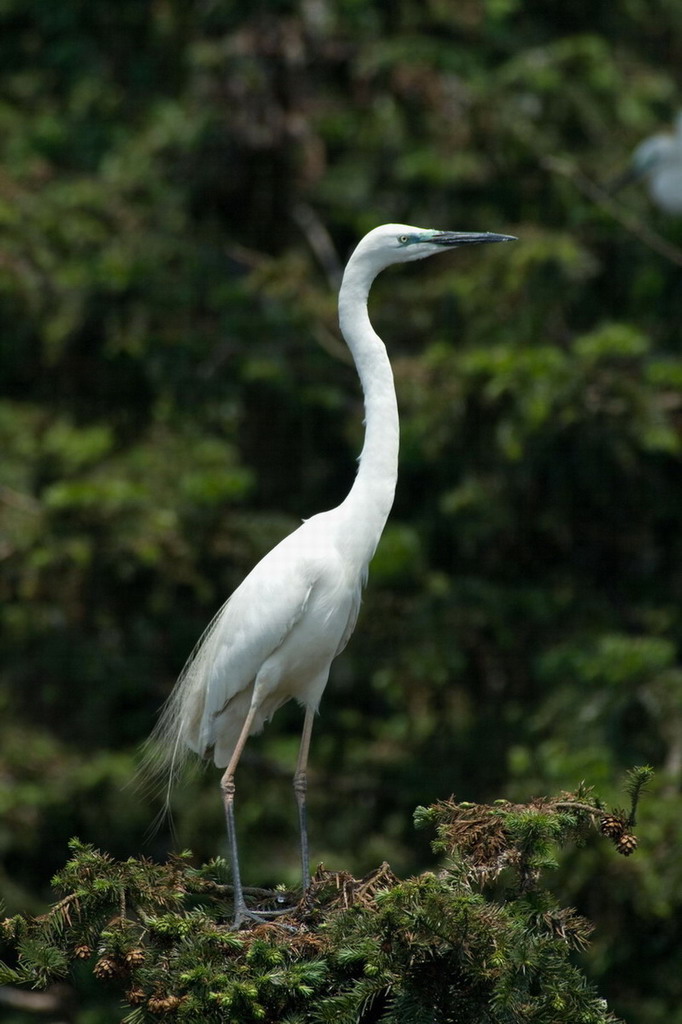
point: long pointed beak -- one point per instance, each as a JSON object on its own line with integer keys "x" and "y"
{"x": 469, "y": 237}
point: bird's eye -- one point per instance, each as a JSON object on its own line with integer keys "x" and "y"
{"x": 403, "y": 239}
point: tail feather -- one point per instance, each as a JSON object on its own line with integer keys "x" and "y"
{"x": 175, "y": 735}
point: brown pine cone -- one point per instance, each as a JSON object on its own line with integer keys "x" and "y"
{"x": 626, "y": 845}
{"x": 612, "y": 826}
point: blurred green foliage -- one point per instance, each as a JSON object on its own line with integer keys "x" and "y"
{"x": 180, "y": 182}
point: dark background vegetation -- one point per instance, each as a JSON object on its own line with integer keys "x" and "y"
{"x": 180, "y": 182}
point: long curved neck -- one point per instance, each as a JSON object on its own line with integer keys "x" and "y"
{"x": 371, "y": 496}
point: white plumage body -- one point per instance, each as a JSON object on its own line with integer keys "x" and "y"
{"x": 274, "y": 639}
{"x": 659, "y": 160}
{"x": 665, "y": 184}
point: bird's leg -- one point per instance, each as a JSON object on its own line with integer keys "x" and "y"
{"x": 300, "y": 788}
{"x": 227, "y": 786}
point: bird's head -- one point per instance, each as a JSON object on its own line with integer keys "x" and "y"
{"x": 402, "y": 243}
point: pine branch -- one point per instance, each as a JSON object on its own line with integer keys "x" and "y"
{"x": 637, "y": 779}
{"x": 442, "y": 946}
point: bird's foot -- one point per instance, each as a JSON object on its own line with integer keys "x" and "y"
{"x": 243, "y": 916}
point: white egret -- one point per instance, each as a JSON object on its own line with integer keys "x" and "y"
{"x": 276, "y": 637}
{"x": 658, "y": 160}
